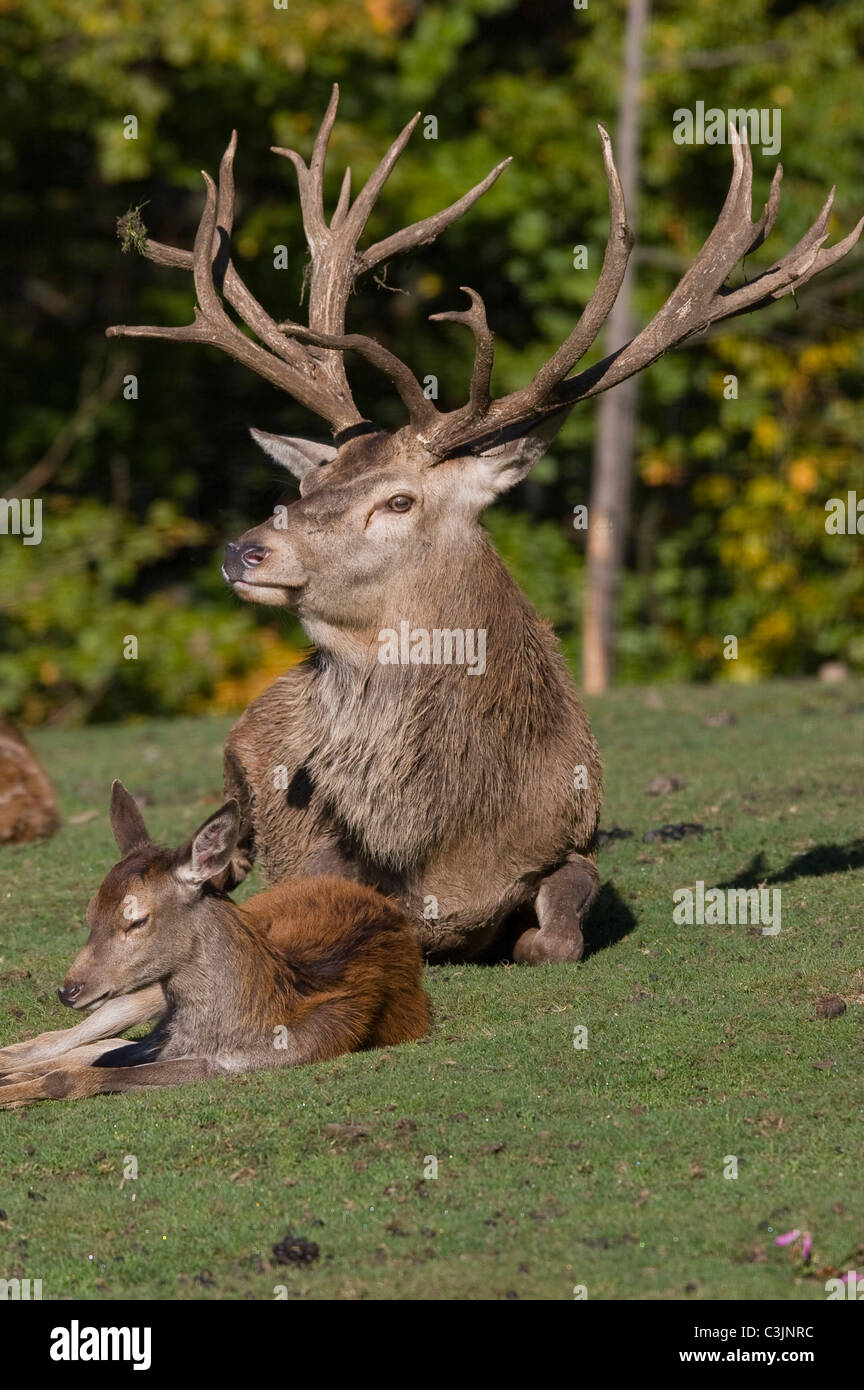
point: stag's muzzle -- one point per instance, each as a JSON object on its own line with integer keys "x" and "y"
{"x": 241, "y": 559}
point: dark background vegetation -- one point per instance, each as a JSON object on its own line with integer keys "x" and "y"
{"x": 729, "y": 510}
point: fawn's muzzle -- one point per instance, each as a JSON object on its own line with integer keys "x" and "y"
{"x": 67, "y": 994}
{"x": 239, "y": 559}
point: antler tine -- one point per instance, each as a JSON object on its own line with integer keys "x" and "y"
{"x": 310, "y": 178}
{"x": 615, "y": 261}
{"x": 484, "y": 349}
{"x": 343, "y": 204}
{"x": 202, "y": 259}
{"x": 826, "y": 256}
{"x": 422, "y": 232}
{"x": 322, "y": 139}
{"x": 363, "y": 204}
{"x": 769, "y": 213}
{"x": 224, "y": 214}
{"x": 225, "y": 206}
{"x": 806, "y": 259}
{"x": 421, "y": 410}
{"x": 729, "y": 240}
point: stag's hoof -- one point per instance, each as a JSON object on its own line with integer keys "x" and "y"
{"x": 537, "y": 947}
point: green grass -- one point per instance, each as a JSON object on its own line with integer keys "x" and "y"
{"x": 556, "y": 1166}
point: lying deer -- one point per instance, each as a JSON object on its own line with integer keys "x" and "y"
{"x": 474, "y": 798}
{"x": 28, "y": 806}
{"x": 304, "y": 972}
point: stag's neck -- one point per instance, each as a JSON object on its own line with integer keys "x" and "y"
{"x": 408, "y": 751}
{"x": 467, "y": 589}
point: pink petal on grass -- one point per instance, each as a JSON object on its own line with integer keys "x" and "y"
{"x": 806, "y": 1247}
{"x": 787, "y": 1239}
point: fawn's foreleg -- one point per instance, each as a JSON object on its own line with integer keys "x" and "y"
{"x": 87, "y": 1055}
{"x": 74, "y": 1083}
{"x": 112, "y": 1017}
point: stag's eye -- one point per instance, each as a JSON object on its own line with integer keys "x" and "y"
{"x": 401, "y": 502}
{"x": 133, "y": 926}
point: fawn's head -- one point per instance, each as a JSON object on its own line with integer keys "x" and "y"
{"x": 145, "y": 916}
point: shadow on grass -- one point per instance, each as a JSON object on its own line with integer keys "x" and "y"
{"x": 815, "y": 863}
{"x": 609, "y": 921}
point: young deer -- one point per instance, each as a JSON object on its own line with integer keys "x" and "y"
{"x": 301, "y": 973}
{"x": 474, "y": 800}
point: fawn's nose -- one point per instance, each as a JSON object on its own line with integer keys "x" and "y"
{"x": 67, "y": 994}
{"x": 240, "y": 558}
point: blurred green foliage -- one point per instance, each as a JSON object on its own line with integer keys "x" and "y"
{"x": 728, "y": 531}
{"x": 87, "y": 640}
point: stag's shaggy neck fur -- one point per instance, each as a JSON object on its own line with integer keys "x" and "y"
{"x": 403, "y": 751}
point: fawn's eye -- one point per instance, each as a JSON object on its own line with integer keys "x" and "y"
{"x": 401, "y": 502}
{"x": 133, "y": 926}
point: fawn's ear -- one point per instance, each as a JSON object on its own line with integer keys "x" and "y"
{"x": 210, "y": 849}
{"x": 127, "y": 821}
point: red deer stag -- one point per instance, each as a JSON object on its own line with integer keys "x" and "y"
{"x": 303, "y": 972}
{"x": 473, "y": 797}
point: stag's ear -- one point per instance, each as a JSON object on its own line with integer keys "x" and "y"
{"x": 210, "y": 849}
{"x": 501, "y": 468}
{"x": 299, "y": 456}
{"x": 127, "y": 821}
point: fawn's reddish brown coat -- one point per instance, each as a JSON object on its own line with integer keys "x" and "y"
{"x": 306, "y": 971}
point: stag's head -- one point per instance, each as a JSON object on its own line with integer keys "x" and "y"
{"x": 147, "y": 912}
{"x": 374, "y": 504}
{"x": 373, "y": 517}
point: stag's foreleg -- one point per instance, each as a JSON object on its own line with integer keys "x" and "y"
{"x": 562, "y": 904}
{"x": 111, "y": 1018}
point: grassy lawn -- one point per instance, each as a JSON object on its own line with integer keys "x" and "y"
{"x": 600, "y": 1166}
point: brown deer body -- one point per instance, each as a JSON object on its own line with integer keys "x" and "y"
{"x": 472, "y": 796}
{"x": 306, "y": 971}
{"x": 28, "y": 806}
{"x": 418, "y": 778}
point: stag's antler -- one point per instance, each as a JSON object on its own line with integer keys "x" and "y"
{"x": 316, "y": 379}
{"x": 700, "y": 299}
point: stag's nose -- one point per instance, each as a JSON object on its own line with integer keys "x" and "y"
{"x": 67, "y": 994}
{"x": 240, "y": 558}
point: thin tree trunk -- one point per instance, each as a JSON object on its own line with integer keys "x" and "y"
{"x": 609, "y": 509}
